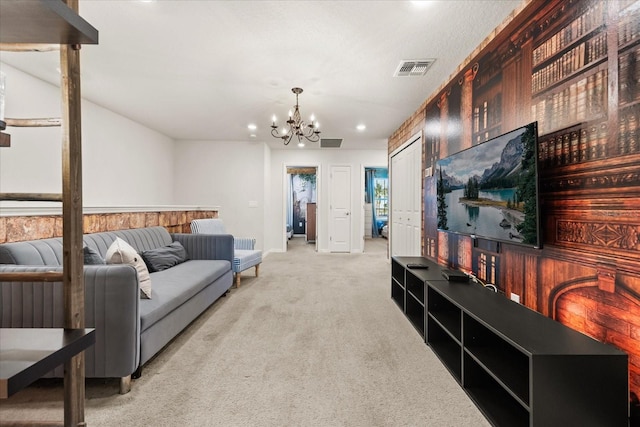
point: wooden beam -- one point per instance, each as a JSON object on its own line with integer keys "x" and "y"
{"x": 301, "y": 170}
{"x": 72, "y": 256}
{"x": 28, "y": 47}
{"x": 32, "y": 197}
{"x": 42, "y": 122}
{"x": 31, "y": 276}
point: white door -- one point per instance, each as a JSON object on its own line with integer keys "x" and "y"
{"x": 406, "y": 200}
{"x": 340, "y": 209}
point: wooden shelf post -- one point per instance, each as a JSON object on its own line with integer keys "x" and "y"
{"x": 73, "y": 283}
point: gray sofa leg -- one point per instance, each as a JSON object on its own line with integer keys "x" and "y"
{"x": 125, "y": 384}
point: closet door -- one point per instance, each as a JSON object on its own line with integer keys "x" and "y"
{"x": 406, "y": 200}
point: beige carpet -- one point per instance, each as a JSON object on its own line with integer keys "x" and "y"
{"x": 314, "y": 341}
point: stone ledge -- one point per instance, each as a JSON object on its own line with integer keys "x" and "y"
{"x": 29, "y": 227}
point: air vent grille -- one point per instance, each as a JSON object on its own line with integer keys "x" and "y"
{"x": 413, "y": 67}
{"x": 330, "y": 143}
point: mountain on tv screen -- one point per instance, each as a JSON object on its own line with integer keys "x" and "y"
{"x": 491, "y": 189}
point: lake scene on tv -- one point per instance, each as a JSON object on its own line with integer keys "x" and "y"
{"x": 490, "y": 190}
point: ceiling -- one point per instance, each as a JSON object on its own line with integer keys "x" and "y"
{"x": 205, "y": 70}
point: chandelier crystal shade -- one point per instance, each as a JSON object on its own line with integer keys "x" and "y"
{"x": 296, "y": 126}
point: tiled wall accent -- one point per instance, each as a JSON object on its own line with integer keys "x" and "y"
{"x": 20, "y": 228}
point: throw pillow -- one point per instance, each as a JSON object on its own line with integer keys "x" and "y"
{"x": 120, "y": 252}
{"x": 165, "y": 257}
{"x": 92, "y": 257}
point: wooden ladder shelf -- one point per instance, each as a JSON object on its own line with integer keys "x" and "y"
{"x": 37, "y": 26}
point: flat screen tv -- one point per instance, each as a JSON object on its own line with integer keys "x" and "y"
{"x": 491, "y": 189}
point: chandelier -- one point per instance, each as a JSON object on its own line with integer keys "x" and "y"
{"x": 296, "y": 126}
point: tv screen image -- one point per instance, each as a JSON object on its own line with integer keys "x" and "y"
{"x": 491, "y": 189}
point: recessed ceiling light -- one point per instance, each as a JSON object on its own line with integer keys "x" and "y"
{"x": 251, "y": 126}
{"x": 253, "y": 135}
{"x": 301, "y": 144}
{"x": 361, "y": 127}
{"x": 421, "y": 3}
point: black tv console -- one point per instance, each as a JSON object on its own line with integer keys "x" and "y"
{"x": 519, "y": 367}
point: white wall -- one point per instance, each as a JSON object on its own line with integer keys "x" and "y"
{"x": 124, "y": 163}
{"x": 231, "y": 175}
{"x": 268, "y": 199}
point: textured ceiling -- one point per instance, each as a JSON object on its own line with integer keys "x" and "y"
{"x": 204, "y": 70}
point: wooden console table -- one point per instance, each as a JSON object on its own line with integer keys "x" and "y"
{"x": 27, "y": 354}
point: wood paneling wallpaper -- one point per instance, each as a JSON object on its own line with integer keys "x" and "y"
{"x": 574, "y": 67}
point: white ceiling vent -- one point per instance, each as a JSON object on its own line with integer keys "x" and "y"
{"x": 413, "y": 67}
{"x": 330, "y": 143}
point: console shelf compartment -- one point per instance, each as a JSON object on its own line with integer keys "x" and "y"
{"x": 496, "y": 404}
{"x": 499, "y": 358}
{"x": 446, "y": 313}
{"x": 397, "y": 293}
{"x": 414, "y": 311}
{"x": 397, "y": 285}
{"x": 415, "y": 286}
{"x": 445, "y": 347}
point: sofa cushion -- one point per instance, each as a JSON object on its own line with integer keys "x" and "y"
{"x": 243, "y": 259}
{"x": 92, "y": 257}
{"x": 160, "y": 259}
{"x": 174, "y": 286}
{"x": 32, "y": 252}
{"x": 120, "y": 252}
{"x": 141, "y": 239}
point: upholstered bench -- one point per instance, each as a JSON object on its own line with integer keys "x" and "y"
{"x": 245, "y": 255}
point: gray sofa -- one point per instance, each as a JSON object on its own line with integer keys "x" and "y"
{"x": 129, "y": 330}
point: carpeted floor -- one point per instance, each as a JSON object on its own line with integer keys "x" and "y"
{"x": 314, "y": 341}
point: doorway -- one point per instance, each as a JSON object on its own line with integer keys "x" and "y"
{"x": 301, "y": 204}
{"x": 376, "y": 202}
{"x": 340, "y": 208}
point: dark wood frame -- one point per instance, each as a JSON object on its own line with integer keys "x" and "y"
{"x": 56, "y": 22}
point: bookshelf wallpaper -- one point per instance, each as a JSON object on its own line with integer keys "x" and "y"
{"x": 574, "y": 67}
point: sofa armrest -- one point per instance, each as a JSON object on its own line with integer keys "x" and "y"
{"x": 207, "y": 246}
{"x": 245, "y": 243}
{"x": 111, "y": 307}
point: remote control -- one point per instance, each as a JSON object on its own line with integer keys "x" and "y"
{"x": 423, "y": 266}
